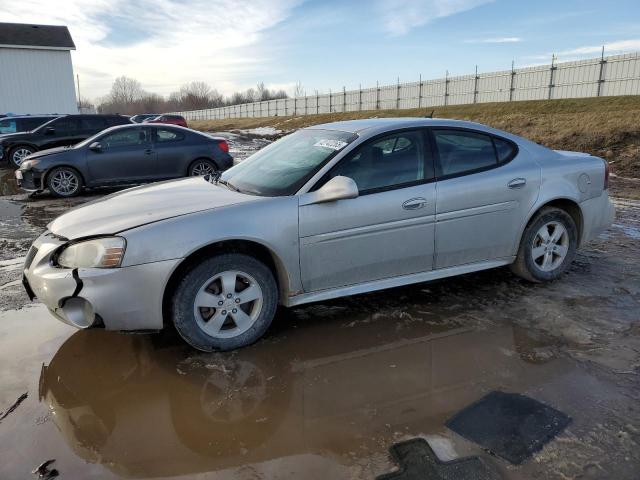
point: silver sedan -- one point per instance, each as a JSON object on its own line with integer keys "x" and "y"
{"x": 329, "y": 211}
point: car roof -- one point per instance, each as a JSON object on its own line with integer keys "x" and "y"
{"x": 367, "y": 128}
{"x": 357, "y": 126}
{"x": 44, "y": 115}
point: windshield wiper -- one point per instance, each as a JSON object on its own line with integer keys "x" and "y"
{"x": 230, "y": 186}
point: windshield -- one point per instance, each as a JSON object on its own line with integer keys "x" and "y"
{"x": 8, "y": 125}
{"x": 284, "y": 166}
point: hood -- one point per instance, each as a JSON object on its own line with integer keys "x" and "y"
{"x": 49, "y": 151}
{"x": 142, "y": 205}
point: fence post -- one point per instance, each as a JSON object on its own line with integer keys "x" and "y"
{"x": 330, "y": 107}
{"x": 398, "y": 95}
{"x": 513, "y": 75}
{"x": 551, "y": 75}
{"x": 420, "y": 91}
{"x": 317, "y": 103}
{"x": 601, "y": 74}
{"x": 360, "y": 97}
{"x": 475, "y": 86}
{"x": 305, "y": 104}
{"x": 446, "y": 88}
{"x": 344, "y": 98}
{"x": 377, "y": 95}
{"x": 295, "y": 106}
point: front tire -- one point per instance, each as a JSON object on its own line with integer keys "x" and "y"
{"x": 547, "y": 247}
{"x": 18, "y": 154}
{"x": 224, "y": 302}
{"x": 64, "y": 182}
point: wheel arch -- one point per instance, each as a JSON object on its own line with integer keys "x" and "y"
{"x": 10, "y": 148}
{"x": 569, "y": 205}
{"x": 248, "y": 247}
{"x": 47, "y": 172}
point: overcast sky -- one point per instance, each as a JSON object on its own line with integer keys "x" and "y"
{"x": 232, "y": 44}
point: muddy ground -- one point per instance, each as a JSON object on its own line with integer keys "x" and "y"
{"x": 334, "y": 384}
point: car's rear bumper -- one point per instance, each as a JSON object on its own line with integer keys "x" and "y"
{"x": 127, "y": 298}
{"x": 597, "y": 215}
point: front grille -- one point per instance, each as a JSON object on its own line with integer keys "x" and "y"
{"x": 31, "y": 254}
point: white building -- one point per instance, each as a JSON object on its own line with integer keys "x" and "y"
{"x": 36, "y": 73}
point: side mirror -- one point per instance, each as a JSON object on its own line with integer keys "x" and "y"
{"x": 338, "y": 188}
{"x": 96, "y": 147}
{"x": 49, "y": 131}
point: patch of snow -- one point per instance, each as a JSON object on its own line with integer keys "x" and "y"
{"x": 262, "y": 131}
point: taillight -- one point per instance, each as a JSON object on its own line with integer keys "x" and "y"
{"x": 606, "y": 175}
{"x": 224, "y": 146}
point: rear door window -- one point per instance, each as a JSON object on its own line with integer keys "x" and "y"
{"x": 461, "y": 151}
{"x": 65, "y": 125}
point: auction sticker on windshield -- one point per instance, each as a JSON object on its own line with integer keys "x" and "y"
{"x": 332, "y": 144}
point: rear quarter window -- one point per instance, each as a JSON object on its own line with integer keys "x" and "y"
{"x": 166, "y": 135}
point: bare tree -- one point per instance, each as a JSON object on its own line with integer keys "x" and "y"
{"x": 85, "y": 106}
{"x": 125, "y": 90}
{"x": 128, "y": 97}
{"x": 298, "y": 90}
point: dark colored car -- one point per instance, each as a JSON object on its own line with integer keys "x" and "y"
{"x": 124, "y": 155}
{"x": 59, "y": 132}
{"x": 23, "y": 123}
{"x": 141, "y": 117}
{"x": 168, "y": 119}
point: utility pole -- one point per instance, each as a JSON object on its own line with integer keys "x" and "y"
{"x": 601, "y": 74}
{"x": 78, "y": 85}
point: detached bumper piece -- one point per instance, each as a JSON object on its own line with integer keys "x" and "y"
{"x": 509, "y": 425}
{"x": 417, "y": 461}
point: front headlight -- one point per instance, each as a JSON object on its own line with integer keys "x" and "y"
{"x": 28, "y": 164}
{"x": 104, "y": 252}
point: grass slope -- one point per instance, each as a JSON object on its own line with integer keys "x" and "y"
{"x": 608, "y": 127}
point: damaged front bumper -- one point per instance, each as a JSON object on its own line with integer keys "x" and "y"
{"x": 29, "y": 180}
{"x": 125, "y": 298}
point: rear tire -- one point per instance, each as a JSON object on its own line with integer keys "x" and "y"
{"x": 202, "y": 167}
{"x": 18, "y": 154}
{"x": 224, "y": 302}
{"x": 64, "y": 182}
{"x": 547, "y": 247}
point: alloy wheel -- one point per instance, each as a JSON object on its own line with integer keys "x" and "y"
{"x": 228, "y": 304}
{"x": 19, "y": 155}
{"x": 550, "y": 246}
{"x": 201, "y": 169}
{"x": 64, "y": 182}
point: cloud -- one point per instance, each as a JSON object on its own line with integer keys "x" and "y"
{"x": 162, "y": 43}
{"x": 609, "y": 48}
{"x": 401, "y": 16}
{"x": 495, "y": 40}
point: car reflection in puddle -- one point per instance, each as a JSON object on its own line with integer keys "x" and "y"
{"x": 146, "y": 406}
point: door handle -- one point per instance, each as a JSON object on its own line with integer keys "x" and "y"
{"x": 517, "y": 183}
{"x": 414, "y": 203}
